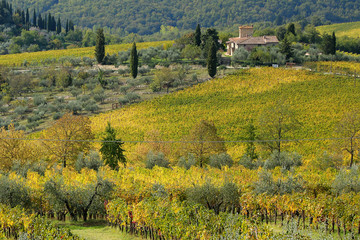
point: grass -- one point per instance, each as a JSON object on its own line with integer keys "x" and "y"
{"x": 351, "y": 29}
{"x": 96, "y": 230}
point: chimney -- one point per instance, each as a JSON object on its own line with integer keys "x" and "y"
{"x": 246, "y": 31}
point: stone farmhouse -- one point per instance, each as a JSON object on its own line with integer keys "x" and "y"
{"x": 249, "y": 42}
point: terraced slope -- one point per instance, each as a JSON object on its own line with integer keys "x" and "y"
{"x": 351, "y": 29}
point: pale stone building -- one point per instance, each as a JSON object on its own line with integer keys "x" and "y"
{"x": 249, "y": 42}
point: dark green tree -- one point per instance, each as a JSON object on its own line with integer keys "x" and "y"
{"x": 100, "y": 45}
{"x": 291, "y": 29}
{"x": 111, "y": 148}
{"x": 333, "y": 44}
{"x": 34, "y": 18}
{"x": 48, "y": 27}
{"x": 134, "y": 61}
{"x": 71, "y": 26}
{"x": 285, "y": 48}
{"x": 212, "y": 60}
{"x": 197, "y": 35}
{"x": 67, "y": 26}
{"x": 27, "y": 19}
{"x": 58, "y": 26}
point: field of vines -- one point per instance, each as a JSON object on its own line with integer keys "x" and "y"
{"x": 38, "y": 57}
{"x": 344, "y": 68}
{"x": 351, "y": 29}
{"x": 319, "y": 101}
{"x": 162, "y": 203}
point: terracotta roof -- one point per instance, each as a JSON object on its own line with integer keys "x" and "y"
{"x": 254, "y": 40}
{"x": 246, "y": 27}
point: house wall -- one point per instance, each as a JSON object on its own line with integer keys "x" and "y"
{"x": 245, "y": 32}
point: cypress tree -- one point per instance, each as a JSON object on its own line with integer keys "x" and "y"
{"x": 48, "y": 25}
{"x": 285, "y": 48}
{"x": 111, "y": 149}
{"x": 27, "y": 19}
{"x": 71, "y": 26}
{"x": 58, "y": 26}
{"x": 100, "y": 45}
{"x": 40, "y": 22}
{"x": 23, "y": 20}
{"x": 333, "y": 44}
{"x": 53, "y": 24}
{"x": 67, "y": 26}
{"x": 134, "y": 61}
{"x": 212, "y": 60}
{"x": 197, "y": 35}
{"x": 34, "y": 18}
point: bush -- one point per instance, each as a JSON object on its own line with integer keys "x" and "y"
{"x": 266, "y": 184}
{"x": 39, "y": 99}
{"x": 20, "y": 110}
{"x": 13, "y": 192}
{"x": 156, "y": 159}
{"x": 91, "y": 106}
{"x": 216, "y": 198}
{"x": 74, "y": 107}
{"x": 249, "y": 163}
{"x": 90, "y": 161}
{"x": 187, "y": 162}
{"x": 123, "y": 100}
{"x": 347, "y": 181}
{"x": 132, "y": 97}
{"x": 220, "y": 160}
{"x": 283, "y": 159}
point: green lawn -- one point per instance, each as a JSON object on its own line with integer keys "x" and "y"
{"x": 96, "y": 230}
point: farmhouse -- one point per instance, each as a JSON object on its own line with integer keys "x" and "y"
{"x": 249, "y": 42}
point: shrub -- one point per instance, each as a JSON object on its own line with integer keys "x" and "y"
{"x": 132, "y": 97}
{"x": 249, "y": 163}
{"x": 90, "y": 161}
{"x": 220, "y": 160}
{"x": 215, "y": 198}
{"x": 156, "y": 159}
{"x": 283, "y": 159}
{"x": 187, "y": 162}
{"x": 13, "y": 192}
{"x": 74, "y": 107}
{"x": 347, "y": 181}
{"x": 39, "y": 99}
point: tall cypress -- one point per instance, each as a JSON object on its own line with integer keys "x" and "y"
{"x": 58, "y": 26}
{"x": 67, "y": 26}
{"x": 27, "y": 18}
{"x": 212, "y": 60}
{"x": 23, "y": 19}
{"x": 333, "y": 44}
{"x": 34, "y": 18}
{"x": 48, "y": 26}
{"x": 53, "y": 24}
{"x": 40, "y": 22}
{"x": 197, "y": 35}
{"x": 100, "y": 45}
{"x": 134, "y": 61}
{"x": 71, "y": 26}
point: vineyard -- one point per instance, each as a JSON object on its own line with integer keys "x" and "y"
{"x": 318, "y": 100}
{"x": 351, "y": 29}
{"x": 38, "y": 57}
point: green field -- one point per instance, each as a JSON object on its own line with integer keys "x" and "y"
{"x": 38, "y": 57}
{"x": 351, "y": 29}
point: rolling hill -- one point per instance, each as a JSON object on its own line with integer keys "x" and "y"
{"x": 351, "y": 29}
{"x": 319, "y": 101}
{"x": 147, "y": 16}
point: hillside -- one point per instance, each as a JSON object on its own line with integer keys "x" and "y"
{"x": 318, "y": 100}
{"x": 146, "y": 17}
{"x": 351, "y": 29}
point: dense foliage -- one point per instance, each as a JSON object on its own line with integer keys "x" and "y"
{"x": 147, "y": 17}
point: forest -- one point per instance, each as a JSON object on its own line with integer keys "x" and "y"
{"x": 147, "y": 17}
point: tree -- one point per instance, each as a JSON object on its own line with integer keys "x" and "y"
{"x": 100, "y": 46}
{"x": 212, "y": 61}
{"x": 111, "y": 148}
{"x": 204, "y": 141}
{"x": 276, "y": 124}
{"x": 329, "y": 44}
{"x": 348, "y": 131}
{"x": 285, "y": 48}
{"x": 251, "y": 137}
{"x": 197, "y": 35}
{"x": 12, "y": 148}
{"x": 58, "y": 26}
{"x": 34, "y": 18}
{"x": 333, "y": 44}
{"x": 291, "y": 29}
{"x": 69, "y": 136}
{"x": 134, "y": 61}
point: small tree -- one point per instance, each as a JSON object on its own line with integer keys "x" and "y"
{"x": 212, "y": 60}
{"x": 203, "y": 141}
{"x": 111, "y": 148}
{"x": 285, "y": 48}
{"x": 197, "y": 35}
{"x": 134, "y": 61}
{"x": 100, "y": 45}
{"x": 348, "y": 131}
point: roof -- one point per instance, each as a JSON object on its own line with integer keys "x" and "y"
{"x": 254, "y": 40}
{"x": 246, "y": 27}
